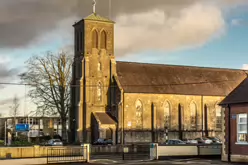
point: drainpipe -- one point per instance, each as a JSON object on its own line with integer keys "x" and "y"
{"x": 202, "y": 109}
{"x": 229, "y": 134}
{"x": 122, "y": 134}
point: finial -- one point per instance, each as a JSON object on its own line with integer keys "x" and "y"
{"x": 94, "y": 6}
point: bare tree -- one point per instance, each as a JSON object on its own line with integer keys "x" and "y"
{"x": 14, "y": 109}
{"x": 49, "y": 77}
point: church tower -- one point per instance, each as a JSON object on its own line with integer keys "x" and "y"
{"x": 93, "y": 67}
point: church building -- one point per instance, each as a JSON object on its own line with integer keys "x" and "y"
{"x": 132, "y": 102}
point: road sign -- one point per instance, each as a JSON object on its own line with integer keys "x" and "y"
{"x": 22, "y": 127}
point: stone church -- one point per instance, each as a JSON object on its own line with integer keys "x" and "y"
{"x": 132, "y": 102}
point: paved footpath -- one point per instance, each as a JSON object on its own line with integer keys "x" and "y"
{"x": 24, "y": 161}
{"x": 192, "y": 161}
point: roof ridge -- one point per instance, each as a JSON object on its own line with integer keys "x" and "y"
{"x": 97, "y": 17}
{"x": 188, "y": 66}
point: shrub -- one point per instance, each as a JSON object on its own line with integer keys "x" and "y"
{"x": 2, "y": 143}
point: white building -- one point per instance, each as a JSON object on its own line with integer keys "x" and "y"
{"x": 45, "y": 126}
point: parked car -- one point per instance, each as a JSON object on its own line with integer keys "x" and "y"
{"x": 102, "y": 141}
{"x": 175, "y": 141}
{"x": 54, "y": 142}
{"x": 109, "y": 141}
{"x": 215, "y": 140}
{"x": 203, "y": 140}
{"x": 190, "y": 141}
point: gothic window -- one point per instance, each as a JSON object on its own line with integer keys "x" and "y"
{"x": 103, "y": 40}
{"x": 167, "y": 114}
{"x": 139, "y": 114}
{"x": 99, "y": 91}
{"x": 218, "y": 117}
{"x": 193, "y": 115}
{"x": 94, "y": 39}
{"x": 99, "y": 66}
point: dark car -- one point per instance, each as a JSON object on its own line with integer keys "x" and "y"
{"x": 102, "y": 141}
{"x": 175, "y": 142}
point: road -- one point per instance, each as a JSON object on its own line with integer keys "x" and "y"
{"x": 162, "y": 162}
{"x": 192, "y": 161}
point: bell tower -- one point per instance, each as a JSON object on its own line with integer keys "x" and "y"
{"x": 94, "y": 64}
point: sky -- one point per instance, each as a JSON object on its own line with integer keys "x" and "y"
{"x": 209, "y": 33}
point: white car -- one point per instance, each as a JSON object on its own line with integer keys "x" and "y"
{"x": 191, "y": 141}
{"x": 204, "y": 140}
{"x": 55, "y": 142}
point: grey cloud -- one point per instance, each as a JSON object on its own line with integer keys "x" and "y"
{"x": 5, "y": 72}
{"x": 23, "y": 22}
{"x": 6, "y": 101}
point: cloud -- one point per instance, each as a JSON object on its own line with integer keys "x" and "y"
{"x": 245, "y": 66}
{"x": 193, "y": 26}
{"x": 7, "y": 73}
{"x": 35, "y": 22}
{"x": 6, "y": 101}
{"x": 236, "y": 22}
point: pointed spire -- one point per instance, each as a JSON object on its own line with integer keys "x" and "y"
{"x": 94, "y": 6}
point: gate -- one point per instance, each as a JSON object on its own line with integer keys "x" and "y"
{"x": 106, "y": 152}
{"x": 67, "y": 155}
{"x": 136, "y": 152}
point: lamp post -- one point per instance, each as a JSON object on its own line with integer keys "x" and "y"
{"x": 5, "y": 132}
{"x": 28, "y": 122}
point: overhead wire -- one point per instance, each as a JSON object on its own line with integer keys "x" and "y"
{"x": 126, "y": 85}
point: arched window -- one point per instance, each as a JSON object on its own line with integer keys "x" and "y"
{"x": 103, "y": 40}
{"x": 193, "y": 115}
{"x": 99, "y": 66}
{"x": 139, "y": 114}
{"x": 218, "y": 117}
{"x": 167, "y": 114}
{"x": 94, "y": 39}
{"x": 99, "y": 91}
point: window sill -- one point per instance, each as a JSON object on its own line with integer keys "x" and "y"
{"x": 241, "y": 143}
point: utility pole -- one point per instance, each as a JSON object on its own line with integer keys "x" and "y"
{"x": 110, "y": 10}
{"x": 5, "y": 132}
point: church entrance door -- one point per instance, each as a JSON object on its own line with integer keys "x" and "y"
{"x": 109, "y": 134}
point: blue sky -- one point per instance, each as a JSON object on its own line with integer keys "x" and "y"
{"x": 228, "y": 51}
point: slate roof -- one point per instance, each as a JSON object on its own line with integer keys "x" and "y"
{"x": 96, "y": 17}
{"x": 238, "y": 95}
{"x": 104, "y": 118}
{"x": 172, "y": 79}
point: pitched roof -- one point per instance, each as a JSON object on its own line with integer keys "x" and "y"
{"x": 96, "y": 17}
{"x": 103, "y": 118}
{"x": 238, "y": 95}
{"x": 172, "y": 79}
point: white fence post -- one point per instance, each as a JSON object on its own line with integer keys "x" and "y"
{"x": 154, "y": 151}
{"x": 86, "y": 150}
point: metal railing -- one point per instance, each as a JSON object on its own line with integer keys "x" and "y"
{"x": 67, "y": 155}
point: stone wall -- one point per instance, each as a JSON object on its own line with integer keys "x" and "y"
{"x": 158, "y": 101}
